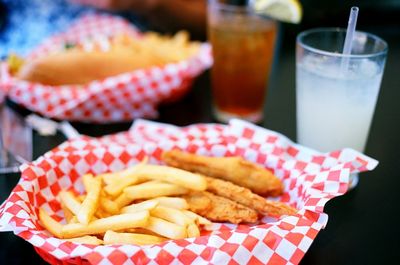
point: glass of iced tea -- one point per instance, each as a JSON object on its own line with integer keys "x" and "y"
{"x": 243, "y": 48}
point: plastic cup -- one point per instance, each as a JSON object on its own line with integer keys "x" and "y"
{"x": 15, "y": 141}
{"x": 335, "y": 107}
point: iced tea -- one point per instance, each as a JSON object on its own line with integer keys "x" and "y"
{"x": 243, "y": 48}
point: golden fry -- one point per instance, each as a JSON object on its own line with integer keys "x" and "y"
{"x": 100, "y": 213}
{"x": 172, "y": 175}
{"x": 117, "y": 181}
{"x": 197, "y": 218}
{"x": 172, "y": 202}
{"x": 193, "y": 230}
{"x": 153, "y": 189}
{"x": 112, "y": 237}
{"x": 67, "y": 213}
{"x": 50, "y": 224}
{"x": 91, "y": 202}
{"x": 74, "y": 220}
{"x": 81, "y": 197}
{"x": 70, "y": 201}
{"x": 141, "y": 206}
{"x": 123, "y": 200}
{"x": 99, "y": 226}
{"x": 108, "y": 205}
{"x": 116, "y": 187}
{"x": 172, "y": 215}
{"x": 165, "y": 228}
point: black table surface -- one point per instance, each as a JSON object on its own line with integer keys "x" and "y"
{"x": 363, "y": 224}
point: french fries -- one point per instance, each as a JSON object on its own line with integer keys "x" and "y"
{"x": 73, "y": 220}
{"x": 67, "y": 213}
{"x": 70, "y": 201}
{"x": 162, "y": 47}
{"x": 108, "y": 205}
{"x": 177, "y": 176}
{"x": 123, "y": 200}
{"x": 129, "y": 207}
{"x": 165, "y": 228}
{"x": 153, "y": 189}
{"x": 141, "y": 206}
{"x": 171, "y": 215}
{"x": 99, "y": 226}
{"x": 192, "y": 230}
{"x": 112, "y": 237}
{"x": 198, "y": 218}
{"x": 116, "y": 182}
{"x": 115, "y": 188}
{"x": 50, "y": 224}
{"x": 91, "y": 202}
{"x": 172, "y": 202}
{"x": 133, "y": 206}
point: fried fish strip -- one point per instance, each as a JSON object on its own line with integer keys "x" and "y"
{"x": 244, "y": 196}
{"x": 234, "y": 169}
{"x": 220, "y": 209}
{"x": 198, "y": 202}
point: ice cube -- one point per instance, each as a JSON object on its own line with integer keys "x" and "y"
{"x": 368, "y": 68}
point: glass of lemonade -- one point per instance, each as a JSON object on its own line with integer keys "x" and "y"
{"x": 243, "y": 47}
{"x": 336, "y": 93}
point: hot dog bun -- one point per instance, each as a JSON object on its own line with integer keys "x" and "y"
{"x": 77, "y": 67}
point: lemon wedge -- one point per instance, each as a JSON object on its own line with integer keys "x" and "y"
{"x": 283, "y": 10}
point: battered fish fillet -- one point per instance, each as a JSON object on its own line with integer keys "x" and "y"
{"x": 244, "y": 196}
{"x": 220, "y": 209}
{"x": 234, "y": 169}
{"x": 198, "y": 202}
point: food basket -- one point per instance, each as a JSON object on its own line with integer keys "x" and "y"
{"x": 310, "y": 178}
{"x": 119, "y": 98}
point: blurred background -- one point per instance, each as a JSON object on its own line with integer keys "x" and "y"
{"x": 40, "y": 18}
{"x": 24, "y": 23}
{"x": 383, "y": 15}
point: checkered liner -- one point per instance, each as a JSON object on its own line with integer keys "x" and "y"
{"x": 310, "y": 179}
{"x": 118, "y": 98}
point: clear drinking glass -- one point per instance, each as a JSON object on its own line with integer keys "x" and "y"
{"x": 336, "y": 93}
{"x": 243, "y": 48}
{"x": 15, "y": 141}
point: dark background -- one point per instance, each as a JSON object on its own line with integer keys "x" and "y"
{"x": 363, "y": 224}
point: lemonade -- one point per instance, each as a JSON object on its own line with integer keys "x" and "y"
{"x": 336, "y": 93}
{"x": 334, "y": 109}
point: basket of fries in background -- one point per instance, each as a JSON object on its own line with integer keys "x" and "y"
{"x": 160, "y": 194}
{"x": 104, "y": 70}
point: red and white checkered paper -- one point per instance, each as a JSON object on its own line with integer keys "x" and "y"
{"x": 118, "y": 98}
{"x": 310, "y": 179}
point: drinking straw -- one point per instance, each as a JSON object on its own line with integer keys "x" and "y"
{"x": 348, "y": 41}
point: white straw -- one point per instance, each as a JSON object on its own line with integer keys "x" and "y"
{"x": 351, "y": 28}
